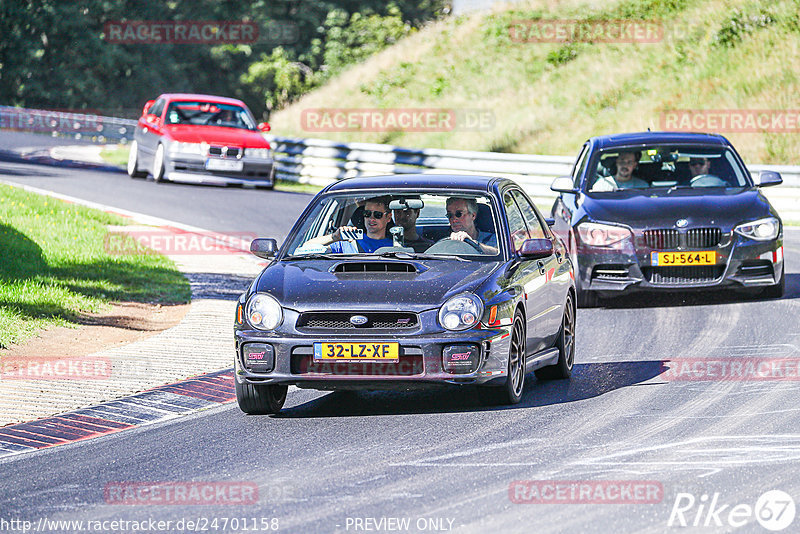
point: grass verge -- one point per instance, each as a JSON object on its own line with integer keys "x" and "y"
{"x": 55, "y": 266}
{"x": 548, "y": 98}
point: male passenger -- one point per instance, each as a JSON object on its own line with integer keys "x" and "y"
{"x": 407, "y": 218}
{"x": 377, "y": 218}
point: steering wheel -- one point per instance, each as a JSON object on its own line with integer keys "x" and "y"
{"x": 454, "y": 246}
{"x": 708, "y": 180}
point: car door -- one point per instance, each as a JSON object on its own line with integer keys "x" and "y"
{"x": 556, "y": 285}
{"x": 150, "y": 132}
{"x": 528, "y": 276}
{"x": 566, "y": 203}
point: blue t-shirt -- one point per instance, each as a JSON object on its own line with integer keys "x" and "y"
{"x": 367, "y": 245}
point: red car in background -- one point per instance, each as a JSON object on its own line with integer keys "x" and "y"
{"x": 201, "y": 139}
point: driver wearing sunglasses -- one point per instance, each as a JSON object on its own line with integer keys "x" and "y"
{"x": 377, "y": 218}
{"x": 462, "y": 212}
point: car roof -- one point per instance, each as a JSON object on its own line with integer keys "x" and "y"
{"x": 205, "y": 98}
{"x": 445, "y": 182}
{"x": 646, "y": 138}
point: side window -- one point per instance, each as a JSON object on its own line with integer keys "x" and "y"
{"x": 516, "y": 224}
{"x": 580, "y": 165}
{"x": 535, "y": 226}
{"x": 157, "y": 108}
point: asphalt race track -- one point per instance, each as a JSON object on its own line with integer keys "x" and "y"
{"x": 628, "y": 445}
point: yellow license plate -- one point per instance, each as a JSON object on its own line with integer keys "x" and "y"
{"x": 668, "y": 259}
{"x": 357, "y": 352}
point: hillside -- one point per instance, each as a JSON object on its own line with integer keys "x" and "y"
{"x": 547, "y": 98}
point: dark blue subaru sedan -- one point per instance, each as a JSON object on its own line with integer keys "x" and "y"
{"x": 408, "y": 281}
{"x": 668, "y": 211}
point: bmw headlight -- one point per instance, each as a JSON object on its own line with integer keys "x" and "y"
{"x": 765, "y": 229}
{"x": 461, "y": 312}
{"x": 603, "y": 235}
{"x": 198, "y": 149}
{"x": 260, "y": 153}
{"x": 263, "y": 312}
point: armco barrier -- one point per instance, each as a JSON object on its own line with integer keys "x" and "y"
{"x": 320, "y": 162}
{"x": 96, "y": 128}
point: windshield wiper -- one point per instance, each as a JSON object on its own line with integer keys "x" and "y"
{"x": 417, "y": 256}
{"x": 676, "y": 186}
{"x": 313, "y": 256}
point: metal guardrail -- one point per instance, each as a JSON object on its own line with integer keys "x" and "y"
{"x": 96, "y": 128}
{"x": 320, "y": 162}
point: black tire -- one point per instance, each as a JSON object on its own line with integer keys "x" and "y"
{"x": 261, "y": 399}
{"x": 158, "y": 164}
{"x": 776, "y": 291}
{"x": 565, "y": 343}
{"x": 133, "y": 162}
{"x": 511, "y": 391}
{"x": 588, "y": 299}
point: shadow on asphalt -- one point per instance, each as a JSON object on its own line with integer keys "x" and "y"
{"x": 698, "y": 298}
{"x": 28, "y": 170}
{"x": 589, "y": 380}
{"x": 218, "y": 286}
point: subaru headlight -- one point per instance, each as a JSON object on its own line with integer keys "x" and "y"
{"x": 603, "y": 235}
{"x": 263, "y": 312}
{"x": 765, "y": 229}
{"x": 198, "y": 149}
{"x": 461, "y": 312}
{"x": 260, "y": 153}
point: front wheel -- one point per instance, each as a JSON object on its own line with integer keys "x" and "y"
{"x": 158, "y": 164}
{"x": 776, "y": 291}
{"x": 133, "y": 162}
{"x": 260, "y": 399}
{"x": 565, "y": 343}
{"x": 511, "y": 392}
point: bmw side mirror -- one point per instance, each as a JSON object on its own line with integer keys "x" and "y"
{"x": 550, "y": 221}
{"x": 265, "y": 248}
{"x": 536, "y": 249}
{"x": 767, "y": 178}
{"x": 563, "y": 184}
{"x": 264, "y": 127}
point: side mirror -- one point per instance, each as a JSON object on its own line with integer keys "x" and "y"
{"x": 535, "y": 249}
{"x": 147, "y": 106}
{"x": 265, "y": 248}
{"x": 768, "y": 178}
{"x": 563, "y": 184}
{"x": 550, "y": 221}
{"x": 264, "y": 127}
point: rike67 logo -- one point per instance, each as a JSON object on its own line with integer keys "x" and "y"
{"x": 774, "y": 510}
